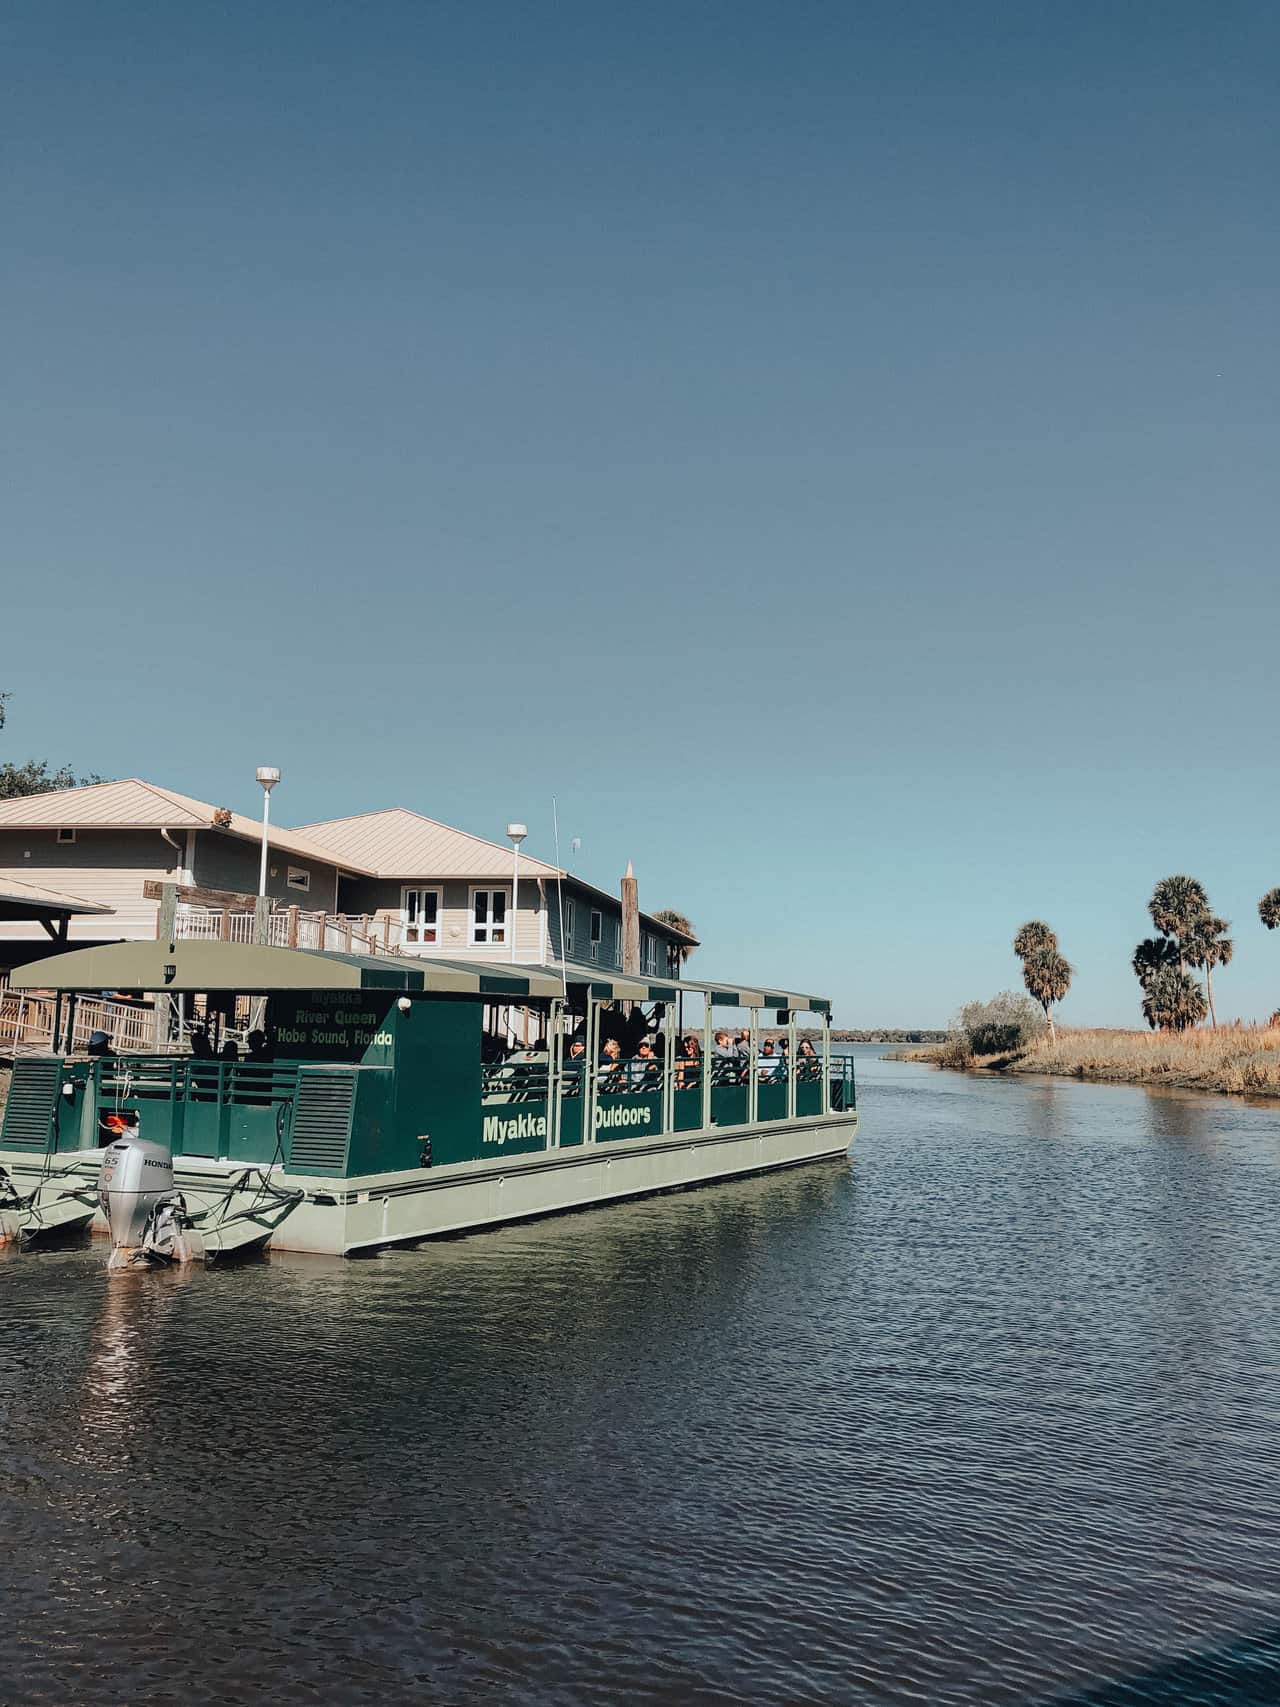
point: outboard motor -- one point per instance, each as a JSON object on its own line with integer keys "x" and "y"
{"x": 146, "y": 1216}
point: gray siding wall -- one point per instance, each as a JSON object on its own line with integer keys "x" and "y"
{"x": 384, "y": 896}
{"x": 107, "y": 866}
{"x": 229, "y": 862}
{"x": 578, "y": 908}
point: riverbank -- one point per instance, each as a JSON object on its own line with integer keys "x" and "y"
{"x": 1236, "y": 1060}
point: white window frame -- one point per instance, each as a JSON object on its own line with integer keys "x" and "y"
{"x": 297, "y": 877}
{"x": 489, "y": 940}
{"x": 66, "y": 836}
{"x": 567, "y": 945}
{"x": 406, "y": 927}
{"x": 597, "y": 932}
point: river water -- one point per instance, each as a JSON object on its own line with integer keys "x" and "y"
{"x": 988, "y": 1416}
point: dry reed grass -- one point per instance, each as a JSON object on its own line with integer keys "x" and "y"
{"x": 1237, "y": 1059}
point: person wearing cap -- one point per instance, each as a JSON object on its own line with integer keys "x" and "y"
{"x": 99, "y": 1044}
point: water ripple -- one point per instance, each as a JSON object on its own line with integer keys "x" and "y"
{"x": 990, "y": 1417}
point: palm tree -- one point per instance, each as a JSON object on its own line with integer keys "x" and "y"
{"x": 1152, "y": 955}
{"x": 1174, "y": 903}
{"x": 1173, "y": 1001}
{"x": 1207, "y": 944}
{"x": 1032, "y": 937}
{"x": 1047, "y": 975}
{"x": 677, "y": 922}
{"x": 1269, "y": 909}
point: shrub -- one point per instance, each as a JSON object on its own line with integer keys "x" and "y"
{"x": 955, "y": 1052}
{"x": 1007, "y": 1022}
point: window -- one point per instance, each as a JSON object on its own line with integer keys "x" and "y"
{"x": 569, "y": 913}
{"x": 597, "y": 925}
{"x": 297, "y": 878}
{"x": 420, "y": 915}
{"x": 66, "y": 836}
{"x": 488, "y": 916}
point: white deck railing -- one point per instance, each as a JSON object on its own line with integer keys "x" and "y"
{"x": 26, "y": 1021}
{"x": 289, "y": 927}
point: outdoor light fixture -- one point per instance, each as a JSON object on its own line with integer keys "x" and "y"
{"x": 516, "y": 833}
{"x": 268, "y": 777}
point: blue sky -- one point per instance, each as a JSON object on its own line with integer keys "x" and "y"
{"x": 831, "y": 447}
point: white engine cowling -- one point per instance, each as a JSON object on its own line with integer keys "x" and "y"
{"x": 136, "y": 1194}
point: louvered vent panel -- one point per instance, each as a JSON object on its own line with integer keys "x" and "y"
{"x": 322, "y": 1122}
{"x": 33, "y": 1096}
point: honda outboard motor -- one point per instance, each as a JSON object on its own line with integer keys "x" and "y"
{"x": 145, "y": 1214}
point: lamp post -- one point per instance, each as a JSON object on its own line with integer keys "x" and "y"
{"x": 268, "y": 777}
{"x": 516, "y": 833}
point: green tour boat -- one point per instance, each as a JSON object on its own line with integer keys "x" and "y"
{"x": 386, "y": 1099}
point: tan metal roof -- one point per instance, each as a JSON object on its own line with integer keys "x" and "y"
{"x": 133, "y": 804}
{"x": 399, "y": 843}
{"x": 28, "y": 898}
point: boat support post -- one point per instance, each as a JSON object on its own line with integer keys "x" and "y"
{"x": 590, "y": 1089}
{"x": 826, "y": 1062}
{"x": 707, "y": 1043}
{"x": 669, "y": 1067}
{"x": 555, "y": 1087}
{"x": 753, "y": 1073}
{"x": 791, "y": 1063}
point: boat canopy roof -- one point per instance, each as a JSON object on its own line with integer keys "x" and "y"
{"x": 253, "y": 969}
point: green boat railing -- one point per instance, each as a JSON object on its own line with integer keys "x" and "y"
{"x": 629, "y": 1094}
{"x": 246, "y": 1111}
{"x": 232, "y": 1110}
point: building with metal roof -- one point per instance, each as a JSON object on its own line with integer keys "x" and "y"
{"x": 132, "y": 804}
{"x": 394, "y": 876}
{"x": 449, "y": 892}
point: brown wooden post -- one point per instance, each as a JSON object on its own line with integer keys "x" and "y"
{"x": 630, "y": 924}
{"x": 322, "y": 925}
{"x": 166, "y": 918}
{"x": 293, "y": 926}
{"x": 348, "y": 942}
{"x": 224, "y": 926}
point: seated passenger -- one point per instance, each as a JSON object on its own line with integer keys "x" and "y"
{"x": 689, "y": 1065}
{"x": 646, "y": 1068}
{"x": 575, "y": 1055}
{"x": 229, "y": 1051}
{"x": 201, "y": 1048}
{"x": 99, "y": 1044}
{"x": 259, "y": 1048}
{"x": 769, "y": 1063}
{"x": 612, "y": 1074}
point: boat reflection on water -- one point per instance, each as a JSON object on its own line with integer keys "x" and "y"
{"x": 128, "y": 1336}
